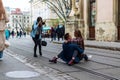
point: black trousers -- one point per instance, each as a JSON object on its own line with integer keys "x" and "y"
{"x": 37, "y": 42}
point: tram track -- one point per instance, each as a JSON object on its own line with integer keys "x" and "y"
{"x": 115, "y": 66}
{"x": 97, "y": 73}
{"x": 103, "y": 55}
{"x": 103, "y": 63}
{"x": 105, "y": 76}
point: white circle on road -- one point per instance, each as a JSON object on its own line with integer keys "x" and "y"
{"x": 22, "y": 74}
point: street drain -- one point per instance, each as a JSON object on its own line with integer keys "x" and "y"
{"x": 22, "y": 74}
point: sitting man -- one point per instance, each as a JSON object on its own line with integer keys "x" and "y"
{"x": 68, "y": 54}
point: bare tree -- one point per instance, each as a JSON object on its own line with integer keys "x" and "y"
{"x": 61, "y": 7}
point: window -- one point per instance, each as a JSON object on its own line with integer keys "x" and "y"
{"x": 24, "y": 17}
{"x": 13, "y": 20}
{"x": 77, "y": 0}
{"x": 13, "y": 25}
{"x": 27, "y": 17}
{"x": 20, "y": 20}
{"x": 92, "y": 12}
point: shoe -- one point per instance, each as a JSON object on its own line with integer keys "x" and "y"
{"x": 71, "y": 62}
{"x": 35, "y": 56}
{"x": 40, "y": 53}
{"x": 86, "y": 57}
{"x": 54, "y": 60}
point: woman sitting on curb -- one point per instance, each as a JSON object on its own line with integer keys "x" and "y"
{"x": 80, "y": 42}
{"x": 68, "y": 52}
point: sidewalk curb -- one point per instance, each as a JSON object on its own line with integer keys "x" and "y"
{"x": 95, "y": 46}
{"x": 103, "y": 47}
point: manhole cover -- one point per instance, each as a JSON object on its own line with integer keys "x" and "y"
{"x": 22, "y": 74}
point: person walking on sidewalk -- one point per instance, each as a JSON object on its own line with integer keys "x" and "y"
{"x": 52, "y": 33}
{"x": 36, "y": 35}
{"x": 7, "y": 34}
{"x": 3, "y": 21}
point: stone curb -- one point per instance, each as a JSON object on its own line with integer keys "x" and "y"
{"x": 97, "y": 46}
{"x": 104, "y": 47}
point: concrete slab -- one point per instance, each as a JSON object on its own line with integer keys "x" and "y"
{"x": 10, "y": 64}
{"x": 112, "y": 72}
{"x": 86, "y": 76}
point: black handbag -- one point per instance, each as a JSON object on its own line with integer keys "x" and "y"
{"x": 44, "y": 43}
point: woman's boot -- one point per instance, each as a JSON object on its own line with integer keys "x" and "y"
{"x": 54, "y": 60}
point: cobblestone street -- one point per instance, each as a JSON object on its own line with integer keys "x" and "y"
{"x": 100, "y": 66}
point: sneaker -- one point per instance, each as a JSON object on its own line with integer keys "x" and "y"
{"x": 54, "y": 60}
{"x": 71, "y": 62}
{"x": 86, "y": 57}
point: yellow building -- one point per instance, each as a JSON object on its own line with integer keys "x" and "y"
{"x": 97, "y": 19}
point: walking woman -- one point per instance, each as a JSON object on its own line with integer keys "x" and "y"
{"x": 37, "y": 35}
{"x": 3, "y": 21}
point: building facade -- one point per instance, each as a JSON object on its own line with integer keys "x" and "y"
{"x": 39, "y": 8}
{"x": 19, "y": 20}
{"x": 97, "y": 19}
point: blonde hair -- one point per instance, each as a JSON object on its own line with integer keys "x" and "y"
{"x": 2, "y": 11}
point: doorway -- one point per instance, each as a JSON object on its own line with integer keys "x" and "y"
{"x": 118, "y": 27}
{"x": 92, "y": 19}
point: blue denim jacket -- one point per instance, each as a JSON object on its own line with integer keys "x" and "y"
{"x": 34, "y": 30}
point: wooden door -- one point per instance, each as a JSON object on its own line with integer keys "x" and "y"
{"x": 118, "y": 28}
{"x": 92, "y": 18}
{"x": 118, "y": 33}
{"x": 92, "y": 33}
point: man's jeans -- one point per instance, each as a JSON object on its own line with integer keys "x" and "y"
{"x": 1, "y": 54}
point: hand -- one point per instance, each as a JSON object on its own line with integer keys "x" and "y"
{"x": 39, "y": 24}
{"x": 45, "y": 21}
{"x": 66, "y": 41}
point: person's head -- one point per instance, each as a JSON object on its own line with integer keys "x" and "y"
{"x": 39, "y": 19}
{"x": 77, "y": 33}
{"x": 2, "y": 10}
{"x": 67, "y": 36}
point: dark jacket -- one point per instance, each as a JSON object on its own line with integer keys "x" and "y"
{"x": 68, "y": 50}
